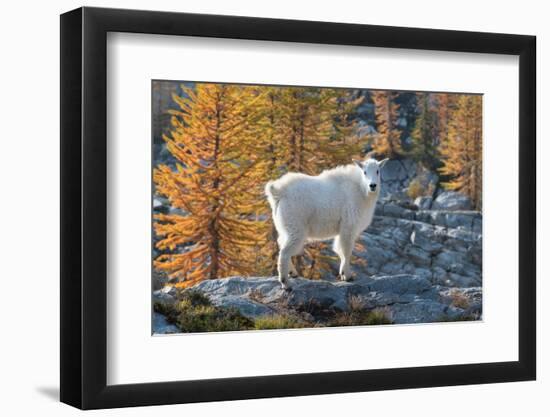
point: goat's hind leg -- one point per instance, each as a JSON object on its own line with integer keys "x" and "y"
{"x": 288, "y": 248}
{"x": 338, "y": 250}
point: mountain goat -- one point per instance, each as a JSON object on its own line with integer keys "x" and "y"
{"x": 339, "y": 203}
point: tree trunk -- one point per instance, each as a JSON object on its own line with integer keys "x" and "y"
{"x": 213, "y": 227}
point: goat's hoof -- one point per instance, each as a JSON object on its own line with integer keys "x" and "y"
{"x": 293, "y": 274}
{"x": 345, "y": 278}
{"x": 285, "y": 286}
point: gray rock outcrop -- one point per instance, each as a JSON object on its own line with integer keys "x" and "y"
{"x": 161, "y": 325}
{"x": 405, "y": 298}
{"x": 419, "y": 261}
{"x": 451, "y": 200}
{"x": 397, "y": 176}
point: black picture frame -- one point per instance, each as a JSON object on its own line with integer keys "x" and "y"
{"x": 84, "y": 207}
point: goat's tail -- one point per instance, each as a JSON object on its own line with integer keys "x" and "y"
{"x": 273, "y": 195}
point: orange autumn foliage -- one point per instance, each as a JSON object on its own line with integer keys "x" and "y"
{"x": 228, "y": 140}
{"x": 462, "y": 151}
{"x": 387, "y": 141}
{"x": 215, "y": 184}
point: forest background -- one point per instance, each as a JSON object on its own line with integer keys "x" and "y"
{"x": 216, "y": 145}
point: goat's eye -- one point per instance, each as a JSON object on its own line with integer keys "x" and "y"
{"x": 377, "y": 172}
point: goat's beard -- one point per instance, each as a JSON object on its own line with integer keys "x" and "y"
{"x": 373, "y": 194}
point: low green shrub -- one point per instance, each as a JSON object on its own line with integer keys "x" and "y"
{"x": 463, "y": 317}
{"x": 459, "y": 300}
{"x": 194, "y": 313}
{"x": 212, "y": 319}
{"x": 279, "y": 322}
{"x": 359, "y": 318}
{"x": 168, "y": 310}
{"x": 415, "y": 189}
{"x": 418, "y": 188}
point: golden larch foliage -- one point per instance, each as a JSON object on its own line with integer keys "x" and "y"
{"x": 315, "y": 134}
{"x": 462, "y": 151}
{"x": 425, "y": 135}
{"x": 229, "y": 140}
{"x": 387, "y": 141}
{"x": 215, "y": 184}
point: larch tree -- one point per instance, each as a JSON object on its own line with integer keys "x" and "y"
{"x": 462, "y": 151}
{"x": 425, "y": 135}
{"x": 387, "y": 141}
{"x": 304, "y": 123}
{"x": 216, "y": 185}
{"x": 335, "y": 142}
{"x": 345, "y": 141}
{"x": 446, "y": 104}
{"x": 271, "y": 148}
{"x": 228, "y": 141}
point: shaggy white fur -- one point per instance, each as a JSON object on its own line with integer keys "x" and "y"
{"x": 339, "y": 203}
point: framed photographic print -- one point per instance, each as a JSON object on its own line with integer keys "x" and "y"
{"x": 281, "y": 208}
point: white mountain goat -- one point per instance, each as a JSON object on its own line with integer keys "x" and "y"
{"x": 339, "y": 203}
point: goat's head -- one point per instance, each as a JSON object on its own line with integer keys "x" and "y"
{"x": 371, "y": 173}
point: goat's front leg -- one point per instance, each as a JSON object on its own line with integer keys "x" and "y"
{"x": 344, "y": 250}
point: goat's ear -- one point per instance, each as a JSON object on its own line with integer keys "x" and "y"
{"x": 358, "y": 163}
{"x": 383, "y": 162}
